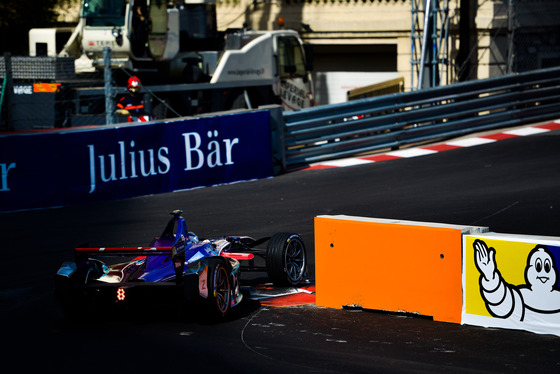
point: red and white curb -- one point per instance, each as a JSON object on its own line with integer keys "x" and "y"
{"x": 269, "y": 295}
{"x": 430, "y": 149}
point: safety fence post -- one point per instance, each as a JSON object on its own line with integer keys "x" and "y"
{"x": 277, "y": 137}
{"x": 109, "y": 104}
{"x": 7, "y": 92}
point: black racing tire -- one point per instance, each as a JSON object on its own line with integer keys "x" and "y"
{"x": 219, "y": 288}
{"x": 74, "y": 301}
{"x": 62, "y": 295}
{"x": 286, "y": 259}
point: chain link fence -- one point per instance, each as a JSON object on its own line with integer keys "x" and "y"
{"x": 535, "y": 34}
{"x": 525, "y": 36}
{"x": 45, "y": 93}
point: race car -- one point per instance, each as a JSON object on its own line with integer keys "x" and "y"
{"x": 176, "y": 266}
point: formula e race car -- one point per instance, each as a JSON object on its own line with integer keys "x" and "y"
{"x": 177, "y": 265}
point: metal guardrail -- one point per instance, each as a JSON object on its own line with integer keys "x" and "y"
{"x": 394, "y": 121}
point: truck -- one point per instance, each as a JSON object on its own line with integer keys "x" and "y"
{"x": 186, "y": 65}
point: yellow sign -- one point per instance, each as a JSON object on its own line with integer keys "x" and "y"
{"x": 512, "y": 283}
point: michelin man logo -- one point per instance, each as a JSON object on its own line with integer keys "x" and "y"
{"x": 536, "y": 301}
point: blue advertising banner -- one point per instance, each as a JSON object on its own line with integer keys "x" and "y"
{"x": 40, "y": 170}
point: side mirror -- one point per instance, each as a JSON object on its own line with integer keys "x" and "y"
{"x": 117, "y": 34}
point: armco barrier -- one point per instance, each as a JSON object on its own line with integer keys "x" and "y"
{"x": 75, "y": 166}
{"x": 394, "y": 121}
{"x": 460, "y": 274}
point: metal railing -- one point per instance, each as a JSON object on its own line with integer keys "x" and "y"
{"x": 394, "y": 121}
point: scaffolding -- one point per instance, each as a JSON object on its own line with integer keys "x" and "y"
{"x": 429, "y": 43}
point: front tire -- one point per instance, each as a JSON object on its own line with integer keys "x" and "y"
{"x": 286, "y": 260}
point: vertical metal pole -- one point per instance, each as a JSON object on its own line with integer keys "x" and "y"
{"x": 434, "y": 44}
{"x": 446, "y": 42}
{"x": 109, "y": 104}
{"x": 425, "y": 36}
{"x": 8, "y": 91}
{"x": 433, "y": 41}
{"x": 413, "y": 43}
{"x": 511, "y": 30}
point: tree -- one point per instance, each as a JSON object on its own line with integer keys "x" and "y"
{"x": 17, "y": 17}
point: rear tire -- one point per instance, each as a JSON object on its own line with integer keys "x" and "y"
{"x": 62, "y": 294}
{"x": 219, "y": 288}
{"x": 74, "y": 303}
{"x": 286, "y": 259}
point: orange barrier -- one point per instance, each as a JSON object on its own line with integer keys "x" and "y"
{"x": 390, "y": 265}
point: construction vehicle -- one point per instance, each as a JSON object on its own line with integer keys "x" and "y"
{"x": 185, "y": 64}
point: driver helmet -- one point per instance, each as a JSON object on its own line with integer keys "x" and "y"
{"x": 134, "y": 84}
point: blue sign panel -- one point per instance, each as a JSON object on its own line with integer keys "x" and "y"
{"x": 112, "y": 162}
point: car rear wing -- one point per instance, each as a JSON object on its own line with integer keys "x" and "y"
{"x": 123, "y": 250}
{"x": 149, "y": 251}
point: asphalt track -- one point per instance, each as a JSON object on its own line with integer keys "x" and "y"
{"x": 511, "y": 186}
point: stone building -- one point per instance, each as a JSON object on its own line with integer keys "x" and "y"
{"x": 362, "y": 42}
